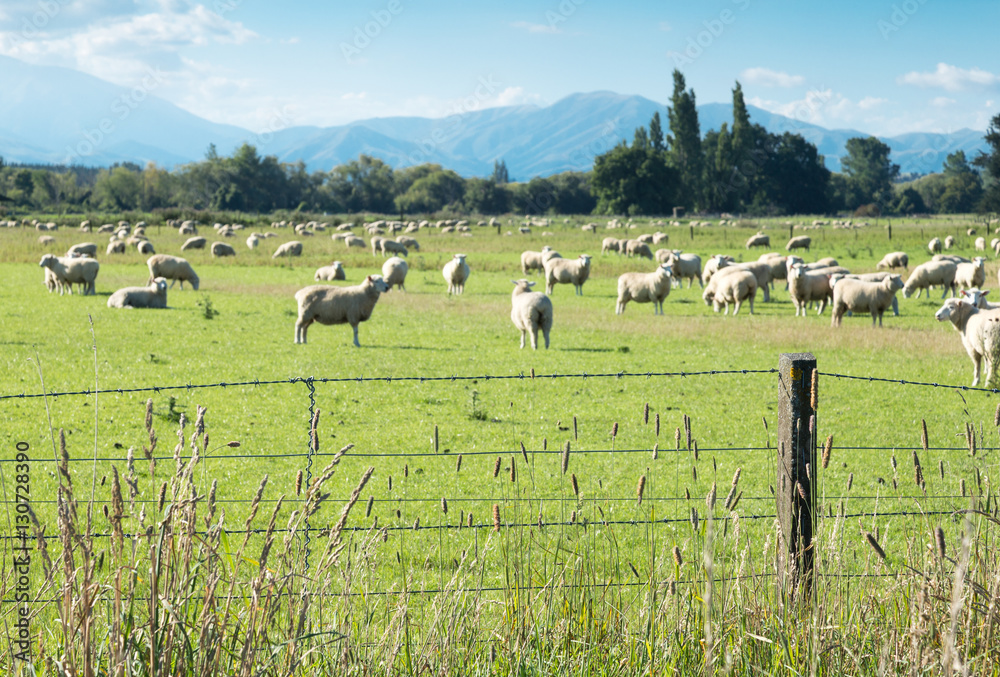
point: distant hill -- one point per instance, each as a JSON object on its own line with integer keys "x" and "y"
{"x": 62, "y": 116}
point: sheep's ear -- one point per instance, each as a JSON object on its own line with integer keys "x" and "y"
{"x": 985, "y": 292}
{"x": 369, "y": 278}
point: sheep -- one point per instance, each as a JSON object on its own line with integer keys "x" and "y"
{"x": 637, "y": 248}
{"x": 222, "y": 249}
{"x": 683, "y": 265}
{"x": 376, "y": 242}
{"x": 971, "y": 275}
{"x": 714, "y": 265}
{"x": 83, "y": 249}
{"x": 530, "y": 311}
{"x": 980, "y": 244}
{"x": 152, "y": 296}
{"x": 894, "y": 260}
{"x": 949, "y": 242}
{"x": 337, "y": 305}
{"x": 52, "y": 281}
{"x": 867, "y": 277}
{"x": 954, "y": 258}
{"x": 394, "y": 272}
{"x": 660, "y": 238}
{"x": 393, "y": 247}
{"x": 762, "y": 271}
{"x": 934, "y": 246}
{"x": 970, "y": 232}
{"x": 194, "y": 243}
{"x": 799, "y": 242}
{"x": 253, "y": 241}
{"x": 776, "y": 262}
{"x": 861, "y": 295}
{"x": 931, "y": 272}
{"x": 978, "y": 298}
{"x": 72, "y": 271}
{"x": 805, "y": 287}
{"x": 334, "y": 271}
{"x": 994, "y": 243}
{"x": 759, "y": 240}
{"x": 456, "y": 272}
{"x": 172, "y": 268}
{"x": 532, "y": 260}
{"x": 46, "y": 240}
{"x": 567, "y": 271}
{"x": 292, "y": 248}
{"x": 732, "y": 288}
{"x": 353, "y": 241}
{"x": 612, "y": 244}
{"x": 643, "y": 288}
{"x": 980, "y": 330}
{"x": 116, "y": 246}
{"x": 146, "y": 247}
{"x": 408, "y": 242}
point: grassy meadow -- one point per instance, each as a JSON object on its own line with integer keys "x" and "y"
{"x": 558, "y": 567}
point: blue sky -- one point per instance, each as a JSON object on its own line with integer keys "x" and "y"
{"x": 876, "y": 66}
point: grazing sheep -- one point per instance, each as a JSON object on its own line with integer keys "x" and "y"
{"x": 293, "y": 248}
{"x": 394, "y": 272}
{"x": 408, "y": 242}
{"x": 567, "y": 271}
{"x": 759, "y": 240}
{"x": 222, "y": 249}
{"x": 393, "y": 247}
{"x": 612, "y": 244}
{"x": 530, "y": 311}
{"x": 532, "y": 260}
{"x": 145, "y": 247}
{"x": 980, "y": 244}
{"x": 353, "y": 241}
{"x": 72, "y": 271}
{"x": 971, "y": 275}
{"x": 376, "y": 241}
{"x": 172, "y": 268}
{"x": 46, "y": 240}
{"x": 335, "y": 271}
{"x": 337, "y": 305}
{"x": 456, "y": 272}
{"x": 83, "y": 249}
{"x": 860, "y": 295}
{"x": 637, "y": 248}
{"x": 153, "y": 296}
{"x": 970, "y": 232}
{"x": 643, "y": 288}
{"x": 894, "y": 260}
{"x": 714, "y": 265}
{"x": 949, "y": 242}
{"x": 660, "y": 238}
{"x": 980, "y": 330}
{"x": 799, "y": 242}
{"x": 805, "y": 287}
{"x": 683, "y": 265}
{"x": 116, "y": 246}
{"x": 934, "y": 246}
{"x": 731, "y": 288}
{"x": 931, "y": 272}
{"x": 779, "y": 271}
{"x": 194, "y": 243}
{"x": 762, "y": 271}
{"x": 253, "y": 241}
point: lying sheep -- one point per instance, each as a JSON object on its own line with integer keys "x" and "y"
{"x": 684, "y": 265}
{"x": 949, "y": 242}
{"x": 153, "y": 296}
{"x": 394, "y": 272}
{"x": 971, "y": 275}
{"x": 393, "y": 247}
{"x": 83, "y": 249}
{"x": 456, "y": 272}
{"x": 980, "y": 330}
{"x": 532, "y": 260}
{"x": 759, "y": 240}
{"x": 293, "y": 248}
{"x": 929, "y": 273}
{"x": 72, "y": 271}
{"x": 530, "y": 311}
{"x": 860, "y": 295}
{"x": 408, "y": 242}
{"x": 799, "y": 242}
{"x": 934, "y": 246}
{"x": 194, "y": 243}
{"x": 894, "y": 260}
{"x": 334, "y": 271}
{"x": 637, "y": 248}
{"x": 337, "y": 305}
{"x": 567, "y": 271}
{"x": 172, "y": 268}
{"x": 732, "y": 288}
{"x": 643, "y": 288}
{"x": 612, "y": 244}
{"x": 222, "y": 249}
{"x": 805, "y": 287}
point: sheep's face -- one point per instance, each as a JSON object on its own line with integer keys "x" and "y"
{"x": 976, "y": 297}
{"x": 460, "y": 258}
{"x": 585, "y": 259}
{"x": 897, "y": 282}
{"x": 979, "y": 261}
{"x": 667, "y": 270}
{"x": 46, "y": 261}
{"x": 945, "y": 311}
{"x": 160, "y": 284}
{"x": 379, "y": 284}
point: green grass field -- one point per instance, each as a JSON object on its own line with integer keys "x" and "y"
{"x": 591, "y": 592}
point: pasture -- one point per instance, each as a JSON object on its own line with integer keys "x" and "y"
{"x": 598, "y": 588}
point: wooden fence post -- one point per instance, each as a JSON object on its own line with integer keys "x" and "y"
{"x": 796, "y": 467}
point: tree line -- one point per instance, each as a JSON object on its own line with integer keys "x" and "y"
{"x": 741, "y": 169}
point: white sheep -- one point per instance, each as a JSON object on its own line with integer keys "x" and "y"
{"x": 376, "y": 241}
{"x": 335, "y": 271}
{"x": 72, "y": 271}
{"x": 867, "y": 277}
{"x": 393, "y": 247}
{"x": 222, "y": 249}
{"x": 116, "y": 246}
{"x": 861, "y": 295}
{"x": 456, "y": 272}
{"x": 759, "y": 240}
{"x": 253, "y": 241}
{"x": 532, "y": 260}
{"x": 145, "y": 247}
{"x": 530, "y": 311}
{"x": 980, "y": 330}
{"x": 172, "y": 268}
{"x": 929, "y": 273}
{"x": 713, "y": 265}
{"x": 969, "y": 275}
{"x": 799, "y": 242}
{"x": 567, "y": 271}
{"x": 980, "y": 244}
{"x": 732, "y": 288}
{"x": 153, "y": 296}
{"x": 643, "y": 288}
{"x": 194, "y": 243}
{"x": 353, "y": 241}
{"x": 83, "y": 249}
{"x": 637, "y": 248}
{"x": 776, "y": 262}
{"x": 292, "y": 248}
{"x": 394, "y": 272}
{"x": 612, "y": 244}
{"x": 408, "y": 242}
{"x": 337, "y": 305}
{"x": 949, "y": 242}
{"x": 762, "y": 271}
{"x": 805, "y": 287}
{"x": 954, "y": 258}
{"x": 935, "y": 246}
{"x": 684, "y": 265}
{"x": 894, "y": 260}
{"x": 978, "y": 298}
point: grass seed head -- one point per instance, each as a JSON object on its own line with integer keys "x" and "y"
{"x": 368, "y": 508}
{"x": 565, "y": 458}
{"x": 496, "y": 467}
{"x": 923, "y": 434}
{"x": 657, "y": 425}
{"x": 645, "y": 414}
{"x": 939, "y": 539}
{"x": 640, "y": 488}
{"x": 875, "y": 546}
{"x": 814, "y": 390}
{"x": 850, "y": 481}
{"x": 827, "y": 448}
{"x": 678, "y": 560}
{"x": 496, "y": 517}
{"x": 298, "y": 483}
{"x": 614, "y": 430}
{"x": 458, "y": 464}
{"x": 513, "y": 470}
{"x": 576, "y": 486}
{"x": 524, "y": 453}
{"x": 575, "y": 436}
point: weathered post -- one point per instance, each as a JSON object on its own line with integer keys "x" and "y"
{"x": 796, "y": 468}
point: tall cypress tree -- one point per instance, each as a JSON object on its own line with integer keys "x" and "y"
{"x": 685, "y": 152}
{"x": 656, "y": 133}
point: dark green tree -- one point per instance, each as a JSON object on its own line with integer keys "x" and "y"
{"x": 500, "y": 175}
{"x": 634, "y": 181}
{"x": 485, "y": 196}
{"x": 432, "y": 193}
{"x": 910, "y": 202}
{"x": 365, "y": 184}
{"x": 990, "y": 163}
{"x": 684, "y": 142}
{"x": 869, "y": 171}
{"x": 656, "y": 137}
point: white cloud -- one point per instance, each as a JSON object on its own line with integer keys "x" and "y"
{"x": 951, "y": 78}
{"x": 535, "y": 28}
{"x": 942, "y": 102}
{"x": 870, "y": 102}
{"x": 768, "y": 78}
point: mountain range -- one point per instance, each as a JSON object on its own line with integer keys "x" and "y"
{"x": 61, "y": 116}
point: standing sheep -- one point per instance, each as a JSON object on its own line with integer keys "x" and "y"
{"x": 799, "y": 242}
{"x": 759, "y": 240}
{"x": 980, "y": 244}
{"x": 222, "y": 249}
{"x": 714, "y": 265}
{"x": 83, "y": 249}
{"x": 637, "y": 248}
{"x": 980, "y": 330}
{"x": 859, "y": 295}
{"x": 934, "y": 246}
{"x": 145, "y": 247}
{"x": 931, "y": 272}
{"x": 353, "y": 241}
{"x": 394, "y": 272}
{"x": 567, "y": 271}
{"x": 971, "y": 275}
{"x": 393, "y": 247}
{"x": 643, "y": 288}
{"x": 731, "y": 289}
{"x": 116, "y": 246}
{"x": 72, "y": 271}
{"x": 253, "y": 241}
{"x": 153, "y": 296}
{"x": 805, "y": 287}
{"x": 337, "y": 305}
{"x": 408, "y": 242}
{"x": 292, "y": 248}
{"x": 376, "y": 241}
{"x": 612, "y": 244}
{"x": 456, "y": 272}
{"x": 334, "y": 271}
{"x": 949, "y": 242}
{"x": 684, "y": 265}
{"x": 530, "y": 311}
{"x": 172, "y": 268}
{"x": 894, "y": 260}
{"x": 532, "y": 260}
{"x": 194, "y": 243}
